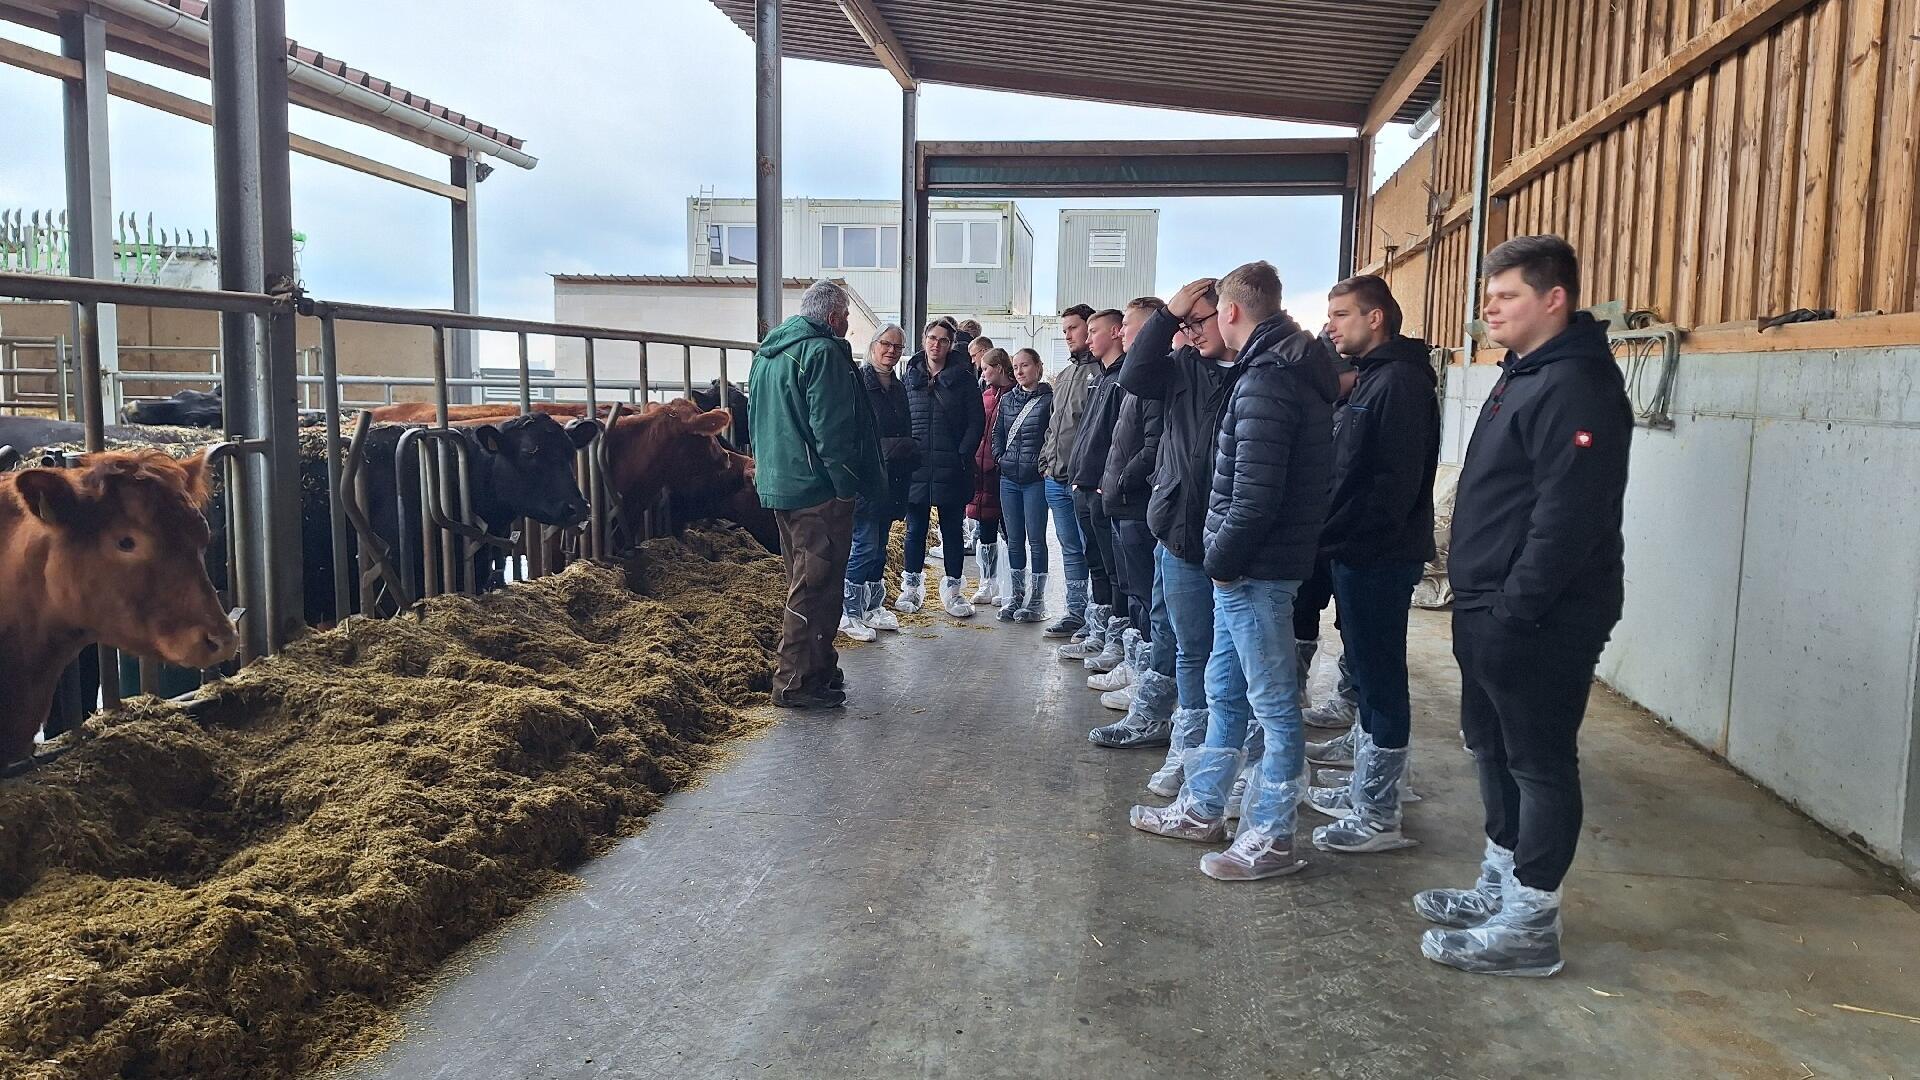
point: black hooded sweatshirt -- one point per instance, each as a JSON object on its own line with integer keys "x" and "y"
{"x": 1385, "y": 451}
{"x": 1536, "y": 523}
{"x": 1273, "y": 471}
{"x": 1193, "y": 391}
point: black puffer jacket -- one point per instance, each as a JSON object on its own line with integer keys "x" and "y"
{"x": 1273, "y": 474}
{"x": 948, "y": 422}
{"x": 1089, "y": 459}
{"x": 1536, "y": 525}
{"x": 1128, "y": 481}
{"x": 1018, "y": 452}
{"x": 1385, "y": 451}
{"x": 897, "y": 448}
{"x": 1193, "y": 391}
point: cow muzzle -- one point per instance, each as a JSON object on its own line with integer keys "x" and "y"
{"x": 201, "y": 644}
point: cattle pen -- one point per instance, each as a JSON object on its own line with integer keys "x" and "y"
{"x": 490, "y": 788}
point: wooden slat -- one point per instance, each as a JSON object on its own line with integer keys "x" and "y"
{"x": 1780, "y": 187}
{"x": 1440, "y": 32}
{"x": 1522, "y": 100}
{"x": 1896, "y": 282}
{"x": 1614, "y": 213}
{"x": 1692, "y": 196}
{"x": 1751, "y": 164}
{"x": 1858, "y": 332}
{"x": 1720, "y": 39}
{"x": 1721, "y": 175}
{"x": 1560, "y": 76}
{"x": 1630, "y": 250}
{"x": 1533, "y": 80}
{"x": 1824, "y": 44}
{"x": 1859, "y": 134}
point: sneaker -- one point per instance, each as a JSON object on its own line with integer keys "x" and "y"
{"x": 1462, "y": 909}
{"x": 1332, "y": 802}
{"x": 809, "y": 699}
{"x": 1334, "y": 714}
{"x": 1133, "y": 732}
{"x": 1067, "y": 625}
{"x": 1177, "y": 821}
{"x": 1118, "y": 700}
{"x": 1521, "y": 939}
{"x": 1166, "y": 780}
{"x": 857, "y": 630}
{"x": 1354, "y": 835}
{"x": 1112, "y": 680}
{"x": 1334, "y": 751}
{"x": 1253, "y": 855}
{"x": 1236, "y": 797}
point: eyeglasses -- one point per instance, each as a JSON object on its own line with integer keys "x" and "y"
{"x": 890, "y": 346}
{"x": 938, "y": 339}
{"x": 1193, "y": 326}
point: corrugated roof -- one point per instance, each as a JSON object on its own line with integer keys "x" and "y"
{"x": 1312, "y": 60}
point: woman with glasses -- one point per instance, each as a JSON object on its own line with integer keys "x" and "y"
{"x": 948, "y": 422}
{"x": 866, "y": 594}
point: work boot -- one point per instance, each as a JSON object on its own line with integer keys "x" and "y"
{"x": 950, "y": 598}
{"x": 853, "y": 600}
{"x": 1335, "y": 751}
{"x": 1016, "y": 596}
{"x": 1076, "y": 616}
{"x": 1303, "y": 654}
{"x": 1252, "y": 855}
{"x": 912, "y": 593}
{"x": 1189, "y": 727}
{"x": 1112, "y": 646}
{"x": 986, "y": 560}
{"x": 1372, "y": 822}
{"x": 1083, "y": 645}
{"x": 809, "y": 699}
{"x": 1178, "y": 820}
{"x": 1465, "y": 908}
{"x": 1035, "y": 607}
{"x": 1522, "y": 938}
{"x": 1149, "y": 720}
{"x": 877, "y": 615}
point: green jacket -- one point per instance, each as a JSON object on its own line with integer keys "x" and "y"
{"x": 814, "y": 434}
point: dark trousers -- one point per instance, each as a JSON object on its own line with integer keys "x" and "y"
{"x": 1133, "y": 557}
{"x": 1373, "y": 628}
{"x": 1523, "y": 693}
{"x": 1315, "y": 594}
{"x": 1097, "y": 531}
{"x": 989, "y": 533}
{"x": 953, "y": 538}
{"x": 814, "y": 543}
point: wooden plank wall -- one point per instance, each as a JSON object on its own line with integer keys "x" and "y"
{"x": 1445, "y": 314}
{"x": 1783, "y": 176}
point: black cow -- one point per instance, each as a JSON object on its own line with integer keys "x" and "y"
{"x": 741, "y": 438}
{"x": 186, "y": 408}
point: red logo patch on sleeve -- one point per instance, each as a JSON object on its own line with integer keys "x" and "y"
{"x": 1583, "y": 439}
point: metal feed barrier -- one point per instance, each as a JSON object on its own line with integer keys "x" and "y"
{"x": 443, "y": 526}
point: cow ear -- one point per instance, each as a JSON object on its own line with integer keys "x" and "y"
{"x": 49, "y": 495}
{"x": 199, "y": 479}
{"x": 488, "y": 437}
{"x": 581, "y": 433}
{"x": 710, "y": 423}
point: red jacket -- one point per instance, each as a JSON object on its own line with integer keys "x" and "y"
{"x": 986, "y": 472}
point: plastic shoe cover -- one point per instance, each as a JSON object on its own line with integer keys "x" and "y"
{"x": 951, "y": 600}
{"x": 1115, "y": 679}
{"x": 1331, "y": 802}
{"x": 1522, "y": 939}
{"x": 1353, "y": 835}
{"x": 1149, "y": 720}
{"x": 1373, "y": 824}
{"x": 1237, "y": 797}
{"x": 1252, "y": 855}
{"x": 1118, "y": 700}
{"x": 877, "y": 615}
{"x": 1089, "y": 639}
{"x": 1303, "y": 655}
{"x": 1332, "y": 777}
{"x": 1465, "y": 908}
{"x": 1016, "y": 596}
{"x": 1337, "y": 751}
{"x": 987, "y": 560}
{"x": 1165, "y": 781}
{"x": 1179, "y": 821}
{"x": 1210, "y": 774}
{"x": 1334, "y": 714}
{"x": 1076, "y": 617}
{"x": 912, "y": 593}
{"x": 1113, "y": 648}
{"x": 1035, "y": 608}
{"x": 856, "y": 630}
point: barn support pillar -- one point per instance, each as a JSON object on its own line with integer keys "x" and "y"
{"x": 465, "y": 173}
{"x": 254, "y": 213}
{"x": 90, "y": 251}
{"x": 767, "y": 208}
{"x": 1482, "y": 151}
{"x": 911, "y": 238}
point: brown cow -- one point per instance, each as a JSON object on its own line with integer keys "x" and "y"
{"x": 673, "y": 449}
{"x": 111, "y": 552}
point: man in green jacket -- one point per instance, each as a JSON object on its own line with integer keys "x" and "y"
{"x": 816, "y": 446}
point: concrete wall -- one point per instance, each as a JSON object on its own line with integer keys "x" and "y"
{"x": 1773, "y": 576}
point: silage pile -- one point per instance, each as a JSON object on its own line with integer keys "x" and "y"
{"x": 246, "y": 891}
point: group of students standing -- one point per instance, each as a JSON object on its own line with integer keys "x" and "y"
{"x": 1216, "y": 474}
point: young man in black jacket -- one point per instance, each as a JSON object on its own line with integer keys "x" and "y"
{"x": 1538, "y": 583}
{"x": 1378, "y": 538}
{"x": 1269, "y": 489}
{"x": 1101, "y": 650}
{"x": 1069, "y": 402}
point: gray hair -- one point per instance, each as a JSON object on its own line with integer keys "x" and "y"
{"x": 882, "y": 332}
{"x": 823, "y": 300}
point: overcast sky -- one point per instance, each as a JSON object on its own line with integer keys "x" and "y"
{"x": 630, "y": 108}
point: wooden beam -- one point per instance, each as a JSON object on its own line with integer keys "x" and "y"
{"x": 1085, "y": 85}
{"x": 1731, "y": 33}
{"x": 1857, "y": 332}
{"x": 1443, "y": 26}
{"x": 14, "y": 54}
{"x": 873, "y": 29}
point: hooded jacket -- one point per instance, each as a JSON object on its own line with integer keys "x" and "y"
{"x": 948, "y": 422}
{"x": 894, "y": 420}
{"x": 1090, "y": 444}
{"x": 814, "y": 435}
{"x": 1385, "y": 451}
{"x": 1193, "y": 393}
{"x": 1018, "y": 452}
{"x": 1273, "y": 470}
{"x": 1128, "y": 481}
{"x": 1536, "y": 523}
{"x": 1069, "y": 402}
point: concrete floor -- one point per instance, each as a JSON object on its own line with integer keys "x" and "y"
{"x": 940, "y": 882}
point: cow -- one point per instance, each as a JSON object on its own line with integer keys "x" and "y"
{"x": 673, "y": 450}
{"x": 25, "y": 433}
{"x": 109, "y": 552}
{"x": 741, "y": 437}
{"x": 186, "y": 408}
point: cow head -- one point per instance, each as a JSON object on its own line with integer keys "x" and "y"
{"x": 187, "y": 408}
{"x": 125, "y": 562}
{"x": 528, "y": 465}
{"x": 670, "y": 446}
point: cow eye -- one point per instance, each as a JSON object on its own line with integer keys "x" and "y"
{"x": 126, "y": 543}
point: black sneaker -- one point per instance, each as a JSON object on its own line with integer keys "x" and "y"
{"x": 809, "y": 699}
{"x": 1066, "y": 627}
{"x": 838, "y": 680}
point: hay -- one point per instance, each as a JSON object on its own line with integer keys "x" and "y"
{"x": 248, "y": 892}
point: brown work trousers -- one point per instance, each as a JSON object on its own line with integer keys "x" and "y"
{"x": 815, "y": 542}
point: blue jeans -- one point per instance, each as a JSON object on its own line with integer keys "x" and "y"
{"x": 1024, "y": 506}
{"x": 1252, "y": 678}
{"x": 1373, "y": 627}
{"x": 868, "y": 562}
{"x": 1187, "y": 594}
{"x": 1066, "y": 526}
{"x": 1164, "y": 649}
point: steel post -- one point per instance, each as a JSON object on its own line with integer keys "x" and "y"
{"x": 1349, "y": 205}
{"x": 90, "y": 247}
{"x": 910, "y": 235}
{"x": 767, "y": 208}
{"x": 337, "y": 495}
{"x": 465, "y": 175}
{"x": 921, "y": 228}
